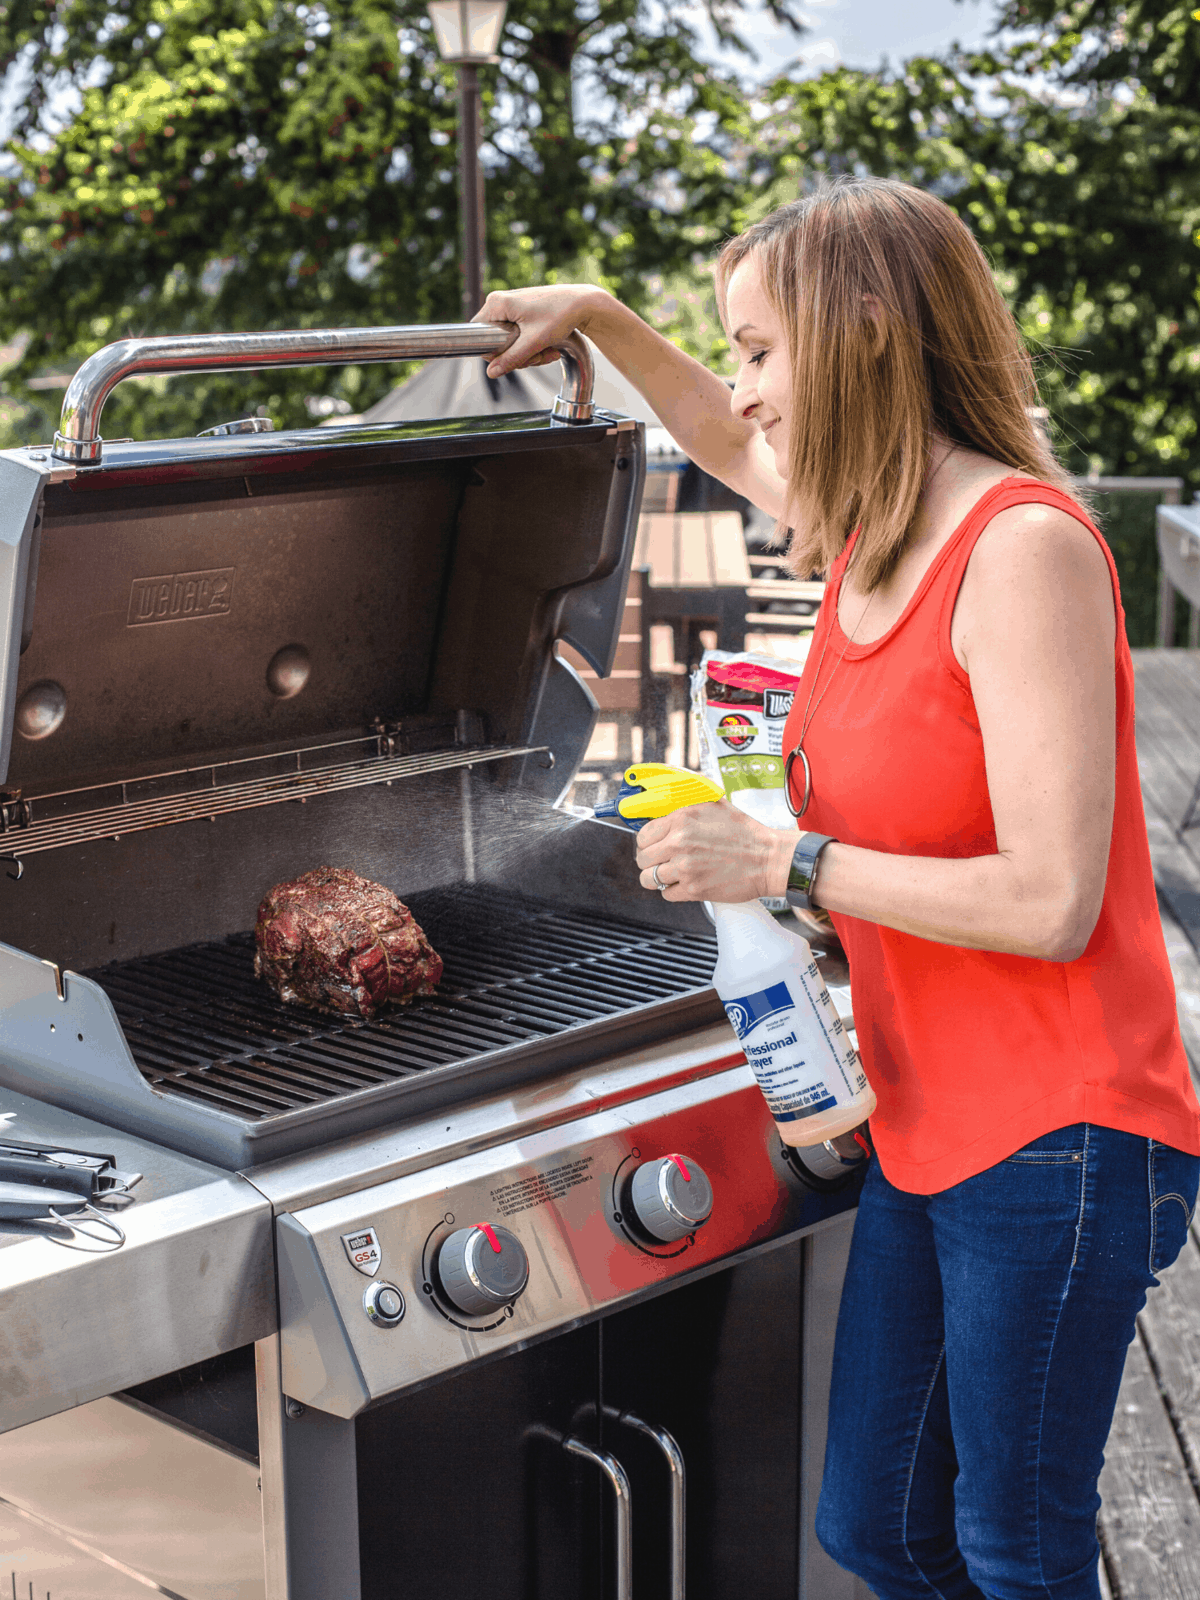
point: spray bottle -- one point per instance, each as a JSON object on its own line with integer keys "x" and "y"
{"x": 768, "y": 982}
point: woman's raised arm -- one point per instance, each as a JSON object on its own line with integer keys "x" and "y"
{"x": 693, "y": 403}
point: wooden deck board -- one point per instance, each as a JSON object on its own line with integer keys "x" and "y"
{"x": 1170, "y": 1330}
{"x": 1150, "y": 1516}
{"x": 1150, "y": 1519}
{"x": 1168, "y": 735}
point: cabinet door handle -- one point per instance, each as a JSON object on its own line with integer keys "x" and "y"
{"x": 674, "y": 1459}
{"x": 618, "y": 1478}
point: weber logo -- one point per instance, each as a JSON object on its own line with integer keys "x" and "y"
{"x": 779, "y": 702}
{"x": 363, "y": 1250}
{"x": 746, "y": 1014}
{"x": 181, "y": 596}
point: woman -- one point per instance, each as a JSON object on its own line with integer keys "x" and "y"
{"x": 963, "y": 731}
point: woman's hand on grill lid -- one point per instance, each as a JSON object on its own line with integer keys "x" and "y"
{"x": 694, "y": 404}
{"x": 545, "y": 316}
{"x": 714, "y": 852}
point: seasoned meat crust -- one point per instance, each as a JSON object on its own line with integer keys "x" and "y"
{"x": 333, "y": 940}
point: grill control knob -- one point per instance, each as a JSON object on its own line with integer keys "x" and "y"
{"x": 384, "y": 1304}
{"x": 482, "y": 1268}
{"x": 672, "y": 1197}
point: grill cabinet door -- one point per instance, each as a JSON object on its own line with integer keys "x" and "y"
{"x": 465, "y": 1490}
{"x": 717, "y": 1363}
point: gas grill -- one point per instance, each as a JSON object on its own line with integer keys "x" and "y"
{"x": 234, "y": 658}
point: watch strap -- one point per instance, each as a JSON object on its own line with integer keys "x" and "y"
{"x": 803, "y": 870}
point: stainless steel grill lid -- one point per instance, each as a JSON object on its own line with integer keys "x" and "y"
{"x": 194, "y": 628}
{"x": 228, "y": 659}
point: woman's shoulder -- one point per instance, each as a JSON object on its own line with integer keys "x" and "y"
{"x": 1041, "y": 524}
{"x": 1036, "y": 562}
{"x": 1012, "y": 516}
{"x": 1032, "y": 549}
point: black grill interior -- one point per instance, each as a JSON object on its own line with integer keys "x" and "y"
{"x": 200, "y": 1024}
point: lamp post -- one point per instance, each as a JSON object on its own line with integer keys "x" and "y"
{"x": 467, "y": 33}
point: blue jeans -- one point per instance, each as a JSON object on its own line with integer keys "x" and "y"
{"x": 980, "y": 1345}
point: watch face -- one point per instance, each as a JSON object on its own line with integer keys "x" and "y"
{"x": 801, "y": 874}
{"x": 803, "y": 869}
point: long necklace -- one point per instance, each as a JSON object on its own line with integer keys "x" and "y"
{"x": 810, "y": 711}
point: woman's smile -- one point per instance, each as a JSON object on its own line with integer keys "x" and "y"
{"x": 762, "y": 391}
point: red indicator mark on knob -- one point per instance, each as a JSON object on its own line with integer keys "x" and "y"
{"x": 683, "y": 1171}
{"x": 489, "y": 1234}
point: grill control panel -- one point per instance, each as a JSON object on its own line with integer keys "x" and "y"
{"x": 493, "y": 1250}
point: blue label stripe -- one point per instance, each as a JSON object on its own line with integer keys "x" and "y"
{"x": 746, "y": 1013}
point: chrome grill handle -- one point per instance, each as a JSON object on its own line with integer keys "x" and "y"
{"x": 622, "y": 1495}
{"x": 673, "y": 1456}
{"x": 78, "y": 438}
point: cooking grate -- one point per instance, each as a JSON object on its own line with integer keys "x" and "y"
{"x": 200, "y": 1025}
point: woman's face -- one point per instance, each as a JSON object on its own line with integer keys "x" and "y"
{"x": 763, "y": 391}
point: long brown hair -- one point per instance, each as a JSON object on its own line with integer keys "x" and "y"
{"x": 897, "y": 330}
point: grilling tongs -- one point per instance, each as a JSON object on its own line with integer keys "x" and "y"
{"x": 45, "y": 1183}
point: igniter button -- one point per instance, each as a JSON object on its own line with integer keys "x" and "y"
{"x": 384, "y": 1304}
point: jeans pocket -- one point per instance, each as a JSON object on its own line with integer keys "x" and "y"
{"x": 1173, "y": 1177}
{"x": 1061, "y": 1146}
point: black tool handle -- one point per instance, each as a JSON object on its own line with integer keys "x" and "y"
{"x": 31, "y": 1170}
{"x": 26, "y": 1202}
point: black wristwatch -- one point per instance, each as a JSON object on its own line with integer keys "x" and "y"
{"x": 803, "y": 870}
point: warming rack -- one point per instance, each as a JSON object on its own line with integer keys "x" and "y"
{"x": 219, "y": 792}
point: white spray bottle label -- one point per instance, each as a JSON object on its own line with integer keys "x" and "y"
{"x": 789, "y": 1028}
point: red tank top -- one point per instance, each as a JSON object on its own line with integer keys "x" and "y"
{"x": 973, "y": 1053}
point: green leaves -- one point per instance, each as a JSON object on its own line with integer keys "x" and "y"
{"x": 1154, "y": 43}
{"x": 1087, "y": 204}
{"x": 239, "y": 164}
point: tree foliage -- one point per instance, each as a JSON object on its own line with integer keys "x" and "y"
{"x": 1088, "y": 206}
{"x": 1152, "y": 43}
{"x": 243, "y": 164}
{"x": 234, "y": 164}
{"x": 1114, "y": 90}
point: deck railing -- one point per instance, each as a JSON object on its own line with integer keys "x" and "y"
{"x": 1169, "y": 491}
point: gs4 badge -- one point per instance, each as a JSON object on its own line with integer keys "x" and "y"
{"x": 364, "y": 1252}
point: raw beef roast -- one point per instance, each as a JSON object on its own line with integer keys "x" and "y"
{"x": 342, "y": 943}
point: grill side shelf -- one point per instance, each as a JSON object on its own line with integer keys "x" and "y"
{"x": 60, "y": 1041}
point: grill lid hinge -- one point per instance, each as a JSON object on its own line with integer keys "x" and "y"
{"x": 60, "y": 987}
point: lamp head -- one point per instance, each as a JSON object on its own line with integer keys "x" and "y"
{"x": 467, "y": 31}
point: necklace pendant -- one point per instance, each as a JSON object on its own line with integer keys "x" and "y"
{"x": 797, "y": 753}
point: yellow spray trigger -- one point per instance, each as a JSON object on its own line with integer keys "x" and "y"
{"x": 662, "y": 789}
